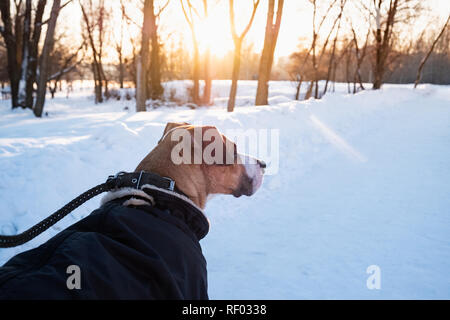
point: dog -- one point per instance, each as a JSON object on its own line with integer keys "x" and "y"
{"x": 143, "y": 241}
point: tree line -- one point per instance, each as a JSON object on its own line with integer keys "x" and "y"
{"x": 36, "y": 56}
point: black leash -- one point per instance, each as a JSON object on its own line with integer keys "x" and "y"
{"x": 120, "y": 180}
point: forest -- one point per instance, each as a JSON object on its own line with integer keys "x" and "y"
{"x": 140, "y": 45}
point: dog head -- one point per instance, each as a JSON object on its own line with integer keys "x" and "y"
{"x": 201, "y": 160}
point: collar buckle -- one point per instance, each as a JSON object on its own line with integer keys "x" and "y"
{"x": 171, "y": 183}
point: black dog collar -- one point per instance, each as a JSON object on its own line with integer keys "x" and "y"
{"x": 136, "y": 180}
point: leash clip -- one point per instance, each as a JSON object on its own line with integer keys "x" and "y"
{"x": 113, "y": 179}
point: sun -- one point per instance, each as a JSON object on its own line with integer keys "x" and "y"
{"x": 214, "y": 33}
{"x": 210, "y": 35}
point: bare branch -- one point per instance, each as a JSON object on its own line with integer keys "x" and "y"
{"x": 126, "y": 16}
{"x": 60, "y": 8}
{"x": 249, "y": 24}
{"x": 188, "y": 18}
{"x": 162, "y": 8}
{"x": 424, "y": 60}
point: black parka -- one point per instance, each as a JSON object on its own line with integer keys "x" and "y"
{"x": 142, "y": 252}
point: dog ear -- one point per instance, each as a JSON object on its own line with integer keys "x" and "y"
{"x": 172, "y": 125}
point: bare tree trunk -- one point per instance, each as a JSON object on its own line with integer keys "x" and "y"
{"x": 237, "y": 39}
{"x": 34, "y": 52}
{"x": 347, "y": 69}
{"x": 314, "y": 62}
{"x": 121, "y": 69}
{"x": 316, "y": 75}
{"x": 119, "y": 49}
{"x": 52, "y": 90}
{"x": 155, "y": 62}
{"x": 119, "y": 46}
{"x": 140, "y": 97}
{"x": 189, "y": 15}
{"x": 96, "y": 65}
{"x": 424, "y": 60}
{"x": 308, "y": 93}
{"x": 270, "y": 40}
{"x": 103, "y": 78}
{"x": 22, "y": 94}
{"x": 360, "y": 55}
{"x": 235, "y": 76}
{"x": 101, "y": 27}
{"x": 206, "y": 100}
{"x": 141, "y": 87}
{"x": 334, "y": 76}
{"x": 383, "y": 41}
{"x": 12, "y": 48}
{"x": 97, "y": 83}
{"x": 196, "y": 75}
{"x": 25, "y": 44}
{"x": 378, "y": 71}
{"x": 297, "y": 92}
{"x": 312, "y": 49}
{"x": 44, "y": 59}
{"x": 333, "y": 51}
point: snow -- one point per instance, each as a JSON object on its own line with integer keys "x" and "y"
{"x": 362, "y": 180}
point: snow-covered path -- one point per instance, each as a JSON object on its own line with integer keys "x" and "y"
{"x": 363, "y": 180}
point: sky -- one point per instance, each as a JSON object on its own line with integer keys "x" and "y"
{"x": 215, "y": 32}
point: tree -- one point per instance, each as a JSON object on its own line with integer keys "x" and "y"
{"x": 142, "y": 63}
{"x": 95, "y": 18}
{"x": 206, "y": 99}
{"x": 189, "y": 16}
{"x": 333, "y": 51}
{"x": 382, "y": 41}
{"x": 395, "y": 12}
{"x": 62, "y": 61}
{"x": 360, "y": 55}
{"x": 12, "y": 42}
{"x": 313, "y": 71}
{"x": 3, "y": 62}
{"x": 44, "y": 59}
{"x": 22, "y": 47}
{"x": 119, "y": 45}
{"x": 156, "y": 89}
{"x": 190, "y": 12}
{"x": 30, "y": 44}
{"x": 149, "y": 33}
{"x": 424, "y": 60}
{"x": 270, "y": 41}
{"x": 237, "y": 39}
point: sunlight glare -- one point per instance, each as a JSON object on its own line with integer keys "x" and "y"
{"x": 337, "y": 141}
{"x": 213, "y": 33}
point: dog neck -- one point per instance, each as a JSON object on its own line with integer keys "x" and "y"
{"x": 189, "y": 179}
{"x": 194, "y": 189}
